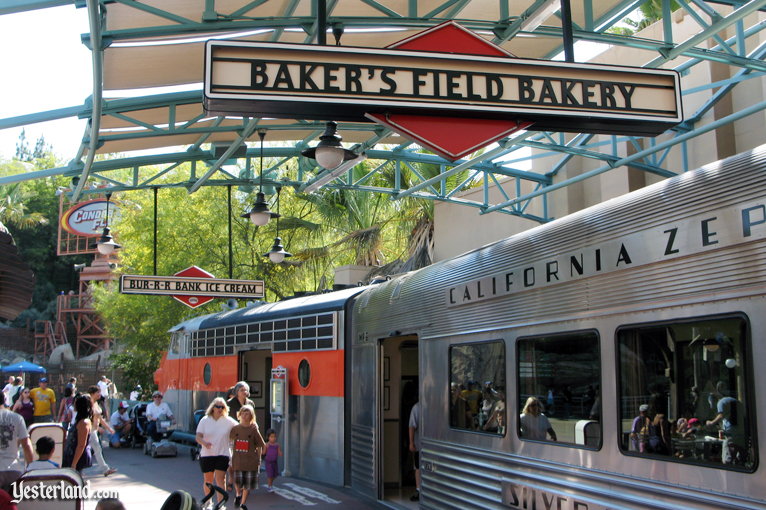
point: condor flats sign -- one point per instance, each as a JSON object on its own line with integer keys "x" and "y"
{"x": 354, "y": 84}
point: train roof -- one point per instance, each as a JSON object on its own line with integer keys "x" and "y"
{"x": 302, "y": 305}
{"x": 622, "y": 247}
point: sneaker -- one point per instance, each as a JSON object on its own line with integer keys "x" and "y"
{"x": 415, "y": 497}
{"x": 237, "y": 501}
{"x": 242, "y": 507}
{"x": 270, "y": 489}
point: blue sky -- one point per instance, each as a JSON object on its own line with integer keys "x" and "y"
{"x": 45, "y": 66}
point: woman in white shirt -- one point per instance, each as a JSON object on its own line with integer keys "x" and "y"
{"x": 213, "y": 435}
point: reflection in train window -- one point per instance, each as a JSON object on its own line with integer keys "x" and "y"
{"x": 559, "y": 388}
{"x": 684, "y": 392}
{"x": 477, "y": 387}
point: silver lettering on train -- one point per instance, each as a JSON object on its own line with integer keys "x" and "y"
{"x": 713, "y": 230}
{"x": 527, "y": 498}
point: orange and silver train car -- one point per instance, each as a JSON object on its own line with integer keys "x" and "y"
{"x": 303, "y": 335}
{"x": 636, "y": 326}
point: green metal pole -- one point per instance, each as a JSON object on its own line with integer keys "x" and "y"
{"x": 231, "y": 253}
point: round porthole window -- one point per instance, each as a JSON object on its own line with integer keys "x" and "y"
{"x": 304, "y": 373}
{"x": 207, "y": 373}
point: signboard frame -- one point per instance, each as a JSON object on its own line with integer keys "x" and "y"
{"x": 190, "y": 286}
{"x": 347, "y": 105}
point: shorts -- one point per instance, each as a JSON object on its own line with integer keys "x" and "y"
{"x": 47, "y": 418}
{"x": 216, "y": 463}
{"x": 246, "y": 480}
{"x": 416, "y": 460}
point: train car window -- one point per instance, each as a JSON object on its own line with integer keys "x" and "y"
{"x": 477, "y": 387}
{"x": 685, "y": 392}
{"x": 175, "y": 343}
{"x": 559, "y": 388}
{"x": 304, "y": 373}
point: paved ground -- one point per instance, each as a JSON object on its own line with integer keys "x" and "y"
{"x": 143, "y": 483}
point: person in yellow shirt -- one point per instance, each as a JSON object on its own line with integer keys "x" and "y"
{"x": 45, "y": 401}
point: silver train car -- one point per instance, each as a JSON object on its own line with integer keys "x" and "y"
{"x": 636, "y": 324}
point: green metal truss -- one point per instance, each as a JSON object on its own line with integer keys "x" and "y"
{"x": 496, "y": 166}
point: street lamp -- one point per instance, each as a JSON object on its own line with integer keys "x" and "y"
{"x": 329, "y": 153}
{"x": 277, "y": 252}
{"x": 259, "y": 214}
{"x": 105, "y": 244}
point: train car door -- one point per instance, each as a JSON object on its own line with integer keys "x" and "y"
{"x": 398, "y": 392}
{"x": 255, "y": 369}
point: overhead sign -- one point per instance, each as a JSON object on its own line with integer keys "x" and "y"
{"x": 346, "y": 83}
{"x": 183, "y": 286}
{"x": 88, "y": 218}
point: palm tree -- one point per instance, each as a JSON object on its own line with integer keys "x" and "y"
{"x": 651, "y": 12}
{"x": 12, "y": 209}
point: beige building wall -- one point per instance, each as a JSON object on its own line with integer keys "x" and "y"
{"x": 459, "y": 228}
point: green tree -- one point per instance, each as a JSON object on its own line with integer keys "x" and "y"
{"x": 192, "y": 230}
{"x": 650, "y": 12}
{"x": 23, "y": 153}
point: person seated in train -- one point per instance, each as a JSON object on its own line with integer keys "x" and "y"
{"x": 659, "y": 435}
{"x": 685, "y": 434}
{"x": 639, "y": 430}
{"x": 730, "y": 417}
{"x": 472, "y": 397}
{"x": 693, "y": 426}
{"x": 533, "y": 424}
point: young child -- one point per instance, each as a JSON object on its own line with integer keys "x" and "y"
{"x": 246, "y": 458}
{"x": 44, "y": 447}
{"x": 273, "y": 452}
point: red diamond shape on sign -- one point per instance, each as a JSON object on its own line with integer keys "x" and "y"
{"x": 450, "y": 137}
{"x": 194, "y": 301}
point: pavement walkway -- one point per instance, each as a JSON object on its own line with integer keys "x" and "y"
{"x": 144, "y": 483}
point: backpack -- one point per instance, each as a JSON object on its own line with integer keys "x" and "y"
{"x": 16, "y": 395}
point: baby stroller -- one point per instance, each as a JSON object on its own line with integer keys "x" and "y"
{"x": 181, "y": 500}
{"x": 138, "y": 433}
{"x": 164, "y": 447}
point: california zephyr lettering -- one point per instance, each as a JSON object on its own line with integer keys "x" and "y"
{"x": 702, "y": 232}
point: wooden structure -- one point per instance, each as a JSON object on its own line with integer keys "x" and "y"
{"x": 75, "y": 310}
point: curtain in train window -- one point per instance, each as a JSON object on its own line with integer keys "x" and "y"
{"x": 559, "y": 388}
{"x": 477, "y": 387}
{"x": 684, "y": 392}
